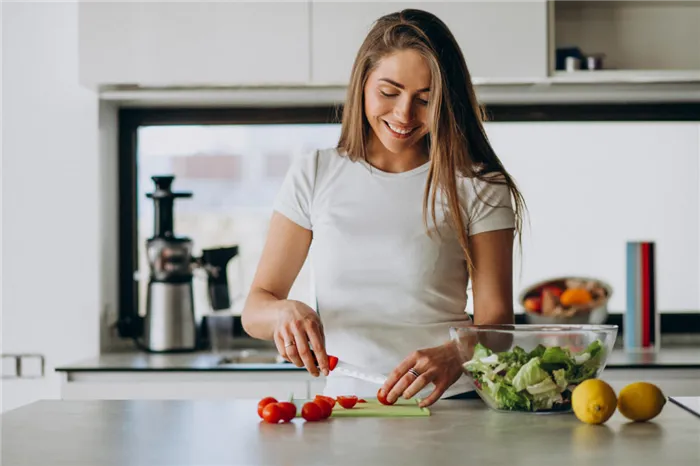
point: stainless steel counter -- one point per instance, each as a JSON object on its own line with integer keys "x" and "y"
{"x": 123, "y": 433}
{"x": 266, "y": 360}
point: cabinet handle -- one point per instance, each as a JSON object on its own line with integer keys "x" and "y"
{"x": 19, "y": 368}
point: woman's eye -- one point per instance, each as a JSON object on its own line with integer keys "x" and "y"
{"x": 386, "y": 94}
{"x": 423, "y": 102}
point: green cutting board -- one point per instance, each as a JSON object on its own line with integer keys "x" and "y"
{"x": 373, "y": 408}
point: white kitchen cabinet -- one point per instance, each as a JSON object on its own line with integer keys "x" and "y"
{"x": 174, "y": 385}
{"x": 190, "y": 43}
{"x": 185, "y": 385}
{"x": 501, "y": 41}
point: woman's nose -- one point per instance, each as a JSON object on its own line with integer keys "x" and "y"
{"x": 403, "y": 110}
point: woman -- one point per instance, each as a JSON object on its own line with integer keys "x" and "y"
{"x": 410, "y": 205}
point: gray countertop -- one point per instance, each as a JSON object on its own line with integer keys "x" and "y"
{"x": 264, "y": 360}
{"x": 125, "y": 433}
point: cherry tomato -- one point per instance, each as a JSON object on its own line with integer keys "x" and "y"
{"x": 289, "y": 410}
{"x": 264, "y": 402}
{"x": 272, "y": 413}
{"x": 347, "y": 402}
{"x": 332, "y": 362}
{"x": 382, "y": 399}
{"x": 326, "y": 408}
{"x": 311, "y": 411}
{"x": 328, "y": 399}
{"x": 362, "y": 400}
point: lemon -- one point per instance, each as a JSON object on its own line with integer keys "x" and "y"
{"x": 641, "y": 401}
{"x": 593, "y": 401}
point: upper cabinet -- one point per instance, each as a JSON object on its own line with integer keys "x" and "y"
{"x": 194, "y": 43}
{"x": 633, "y": 40}
{"x": 501, "y": 41}
{"x": 315, "y": 42}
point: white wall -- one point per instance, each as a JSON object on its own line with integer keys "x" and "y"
{"x": 51, "y": 194}
{"x": 590, "y": 187}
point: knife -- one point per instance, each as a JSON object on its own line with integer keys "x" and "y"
{"x": 351, "y": 370}
{"x": 345, "y": 368}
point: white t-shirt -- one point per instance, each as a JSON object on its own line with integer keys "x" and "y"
{"x": 384, "y": 288}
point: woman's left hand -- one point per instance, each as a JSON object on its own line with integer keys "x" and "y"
{"x": 439, "y": 365}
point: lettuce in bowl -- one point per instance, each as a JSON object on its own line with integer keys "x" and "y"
{"x": 537, "y": 381}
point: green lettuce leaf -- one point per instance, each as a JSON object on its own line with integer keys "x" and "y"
{"x": 560, "y": 379}
{"x": 547, "y": 385}
{"x": 511, "y": 373}
{"x": 508, "y": 398}
{"x": 480, "y": 351}
{"x": 530, "y": 374}
{"x": 556, "y": 358}
{"x": 516, "y": 356}
{"x": 546, "y": 400}
{"x": 537, "y": 352}
{"x": 594, "y": 349}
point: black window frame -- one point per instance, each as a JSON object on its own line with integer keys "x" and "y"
{"x": 130, "y": 324}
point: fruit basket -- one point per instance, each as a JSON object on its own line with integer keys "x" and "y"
{"x": 566, "y": 300}
{"x": 532, "y": 368}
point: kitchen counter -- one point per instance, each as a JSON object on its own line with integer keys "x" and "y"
{"x": 265, "y": 360}
{"x": 131, "y": 433}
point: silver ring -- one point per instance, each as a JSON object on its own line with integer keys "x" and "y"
{"x": 289, "y": 344}
{"x": 414, "y": 372}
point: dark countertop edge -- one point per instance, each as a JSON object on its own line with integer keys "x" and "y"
{"x": 276, "y": 368}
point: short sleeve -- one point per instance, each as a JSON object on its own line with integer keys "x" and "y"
{"x": 490, "y": 206}
{"x": 295, "y": 197}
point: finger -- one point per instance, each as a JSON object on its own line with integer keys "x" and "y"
{"x": 419, "y": 383}
{"x": 303, "y": 349}
{"x": 279, "y": 343}
{"x": 289, "y": 342}
{"x": 397, "y": 374}
{"x": 315, "y": 334}
{"x": 433, "y": 397}
{"x": 404, "y": 382}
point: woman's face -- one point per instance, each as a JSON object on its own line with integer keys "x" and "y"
{"x": 396, "y": 100}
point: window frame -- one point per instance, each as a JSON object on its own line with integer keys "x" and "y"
{"x": 130, "y": 324}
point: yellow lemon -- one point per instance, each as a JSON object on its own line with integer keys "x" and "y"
{"x": 593, "y": 401}
{"x": 641, "y": 401}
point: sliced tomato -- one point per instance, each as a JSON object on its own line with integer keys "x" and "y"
{"x": 272, "y": 413}
{"x": 347, "y": 402}
{"x": 264, "y": 402}
{"x": 382, "y": 399}
{"x": 311, "y": 411}
{"x": 326, "y": 408}
{"x": 289, "y": 410}
{"x": 362, "y": 400}
{"x": 332, "y": 362}
{"x": 330, "y": 400}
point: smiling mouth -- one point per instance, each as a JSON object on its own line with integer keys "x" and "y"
{"x": 398, "y": 132}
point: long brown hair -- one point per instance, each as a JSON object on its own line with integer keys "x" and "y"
{"x": 456, "y": 141}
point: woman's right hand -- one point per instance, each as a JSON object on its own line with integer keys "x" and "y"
{"x": 297, "y": 325}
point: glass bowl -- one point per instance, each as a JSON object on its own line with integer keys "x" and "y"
{"x": 532, "y": 368}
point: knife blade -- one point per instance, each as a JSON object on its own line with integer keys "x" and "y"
{"x": 351, "y": 370}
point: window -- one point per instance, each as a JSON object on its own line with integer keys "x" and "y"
{"x": 234, "y": 172}
{"x": 233, "y": 162}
